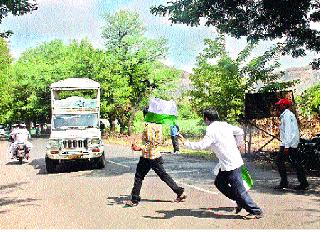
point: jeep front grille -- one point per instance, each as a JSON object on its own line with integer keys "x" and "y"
{"x": 72, "y": 144}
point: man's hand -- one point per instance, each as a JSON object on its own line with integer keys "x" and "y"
{"x": 134, "y": 147}
{"x": 241, "y": 148}
{"x": 181, "y": 138}
{"x": 286, "y": 151}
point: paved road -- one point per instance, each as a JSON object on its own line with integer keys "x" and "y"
{"x": 79, "y": 197}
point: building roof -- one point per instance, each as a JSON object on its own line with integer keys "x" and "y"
{"x": 75, "y": 83}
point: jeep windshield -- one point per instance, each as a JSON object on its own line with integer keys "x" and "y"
{"x": 75, "y": 121}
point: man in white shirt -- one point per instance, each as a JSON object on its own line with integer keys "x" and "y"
{"x": 21, "y": 135}
{"x": 290, "y": 137}
{"x": 224, "y": 139}
{"x": 15, "y": 127}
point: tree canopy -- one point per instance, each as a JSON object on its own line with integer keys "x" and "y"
{"x": 38, "y": 67}
{"x": 5, "y": 81}
{"x": 309, "y": 101}
{"x": 128, "y": 70}
{"x": 221, "y": 82}
{"x": 16, "y": 8}
{"x": 133, "y": 56}
{"x": 292, "y": 20}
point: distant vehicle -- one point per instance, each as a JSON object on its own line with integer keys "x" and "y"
{"x": 75, "y": 124}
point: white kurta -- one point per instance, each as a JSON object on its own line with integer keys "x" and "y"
{"x": 223, "y": 139}
{"x": 289, "y": 130}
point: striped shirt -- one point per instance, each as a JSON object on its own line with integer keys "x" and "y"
{"x": 152, "y": 139}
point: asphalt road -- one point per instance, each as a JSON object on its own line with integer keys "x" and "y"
{"x": 81, "y": 198}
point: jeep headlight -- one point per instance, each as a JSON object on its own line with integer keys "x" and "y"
{"x": 53, "y": 144}
{"x": 95, "y": 141}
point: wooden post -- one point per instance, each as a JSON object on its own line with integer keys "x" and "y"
{"x": 250, "y": 138}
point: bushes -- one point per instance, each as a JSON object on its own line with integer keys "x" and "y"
{"x": 309, "y": 101}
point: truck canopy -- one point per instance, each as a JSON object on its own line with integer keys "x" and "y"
{"x": 75, "y": 83}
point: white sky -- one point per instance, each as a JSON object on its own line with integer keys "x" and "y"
{"x": 77, "y": 19}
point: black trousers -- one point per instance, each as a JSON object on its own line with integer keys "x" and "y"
{"x": 230, "y": 184}
{"x": 175, "y": 143}
{"x": 295, "y": 159}
{"x": 143, "y": 167}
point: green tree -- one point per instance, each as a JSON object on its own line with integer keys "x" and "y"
{"x": 168, "y": 82}
{"x": 309, "y": 101}
{"x": 263, "y": 19}
{"x": 220, "y": 81}
{"x": 16, "y": 8}
{"x": 38, "y": 67}
{"x": 133, "y": 57}
{"x": 5, "y": 82}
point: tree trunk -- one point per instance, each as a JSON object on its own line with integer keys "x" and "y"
{"x": 112, "y": 124}
{"x": 130, "y": 122}
{"x": 122, "y": 127}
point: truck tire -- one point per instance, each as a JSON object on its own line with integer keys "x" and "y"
{"x": 20, "y": 160}
{"x": 101, "y": 162}
{"x": 50, "y": 165}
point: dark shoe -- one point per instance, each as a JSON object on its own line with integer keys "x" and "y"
{"x": 281, "y": 186}
{"x": 302, "y": 187}
{"x": 131, "y": 203}
{"x": 238, "y": 209}
{"x": 253, "y": 216}
{"x": 181, "y": 198}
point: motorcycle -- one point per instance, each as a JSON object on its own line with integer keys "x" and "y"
{"x": 21, "y": 152}
{"x": 309, "y": 150}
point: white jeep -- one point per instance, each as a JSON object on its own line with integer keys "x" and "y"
{"x": 75, "y": 131}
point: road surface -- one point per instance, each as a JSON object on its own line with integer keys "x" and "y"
{"x": 81, "y": 198}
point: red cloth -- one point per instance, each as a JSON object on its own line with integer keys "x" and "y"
{"x": 283, "y": 101}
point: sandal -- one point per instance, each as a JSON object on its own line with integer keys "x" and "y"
{"x": 253, "y": 216}
{"x": 180, "y": 198}
{"x": 130, "y": 203}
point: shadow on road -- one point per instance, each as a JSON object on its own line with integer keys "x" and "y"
{"x": 4, "y": 201}
{"x": 11, "y": 186}
{"x": 122, "y": 198}
{"x": 16, "y": 162}
{"x": 7, "y": 201}
{"x": 118, "y": 200}
{"x": 4, "y": 211}
{"x": 66, "y": 167}
{"x": 39, "y": 164}
{"x": 197, "y": 213}
{"x": 265, "y": 185}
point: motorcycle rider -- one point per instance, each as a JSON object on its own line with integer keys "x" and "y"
{"x": 21, "y": 136}
{"x": 15, "y": 127}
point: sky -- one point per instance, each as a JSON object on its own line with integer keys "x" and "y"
{"x": 78, "y": 19}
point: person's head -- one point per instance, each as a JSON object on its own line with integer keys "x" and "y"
{"x": 210, "y": 115}
{"x": 283, "y": 104}
{"x": 22, "y": 125}
{"x": 145, "y": 111}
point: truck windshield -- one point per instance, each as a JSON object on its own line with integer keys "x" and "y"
{"x": 65, "y": 121}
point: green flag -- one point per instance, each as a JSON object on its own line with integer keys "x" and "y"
{"x": 162, "y": 112}
{"x": 247, "y": 180}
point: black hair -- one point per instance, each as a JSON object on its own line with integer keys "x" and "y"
{"x": 211, "y": 114}
{"x": 145, "y": 111}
